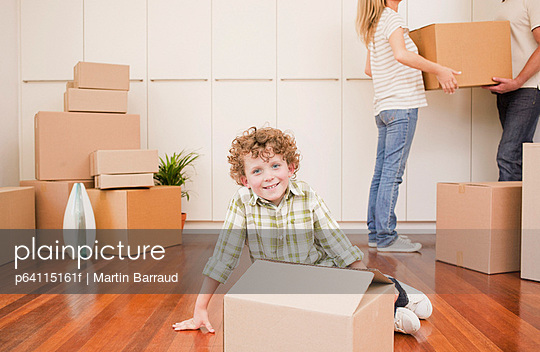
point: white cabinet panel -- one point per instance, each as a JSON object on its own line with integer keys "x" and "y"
{"x": 180, "y": 118}
{"x": 484, "y": 10}
{"x": 486, "y": 133}
{"x": 179, "y": 39}
{"x": 312, "y": 112}
{"x": 36, "y": 97}
{"x": 423, "y": 12}
{"x": 115, "y": 32}
{"x": 440, "y": 151}
{"x": 51, "y": 38}
{"x": 137, "y": 104}
{"x": 354, "y": 50}
{"x": 359, "y": 150}
{"x": 244, "y": 38}
{"x": 309, "y": 39}
{"x": 237, "y": 106}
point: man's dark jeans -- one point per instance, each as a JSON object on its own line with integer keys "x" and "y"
{"x": 518, "y": 112}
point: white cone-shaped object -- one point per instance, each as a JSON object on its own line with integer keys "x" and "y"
{"x": 79, "y": 222}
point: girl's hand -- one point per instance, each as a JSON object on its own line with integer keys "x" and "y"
{"x": 447, "y": 79}
{"x": 200, "y": 318}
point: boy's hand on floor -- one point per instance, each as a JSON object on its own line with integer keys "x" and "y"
{"x": 199, "y": 320}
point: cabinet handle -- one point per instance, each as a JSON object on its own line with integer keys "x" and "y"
{"x": 359, "y": 79}
{"x": 310, "y": 79}
{"x": 242, "y": 79}
{"x": 136, "y": 80}
{"x": 44, "y": 80}
{"x": 177, "y": 79}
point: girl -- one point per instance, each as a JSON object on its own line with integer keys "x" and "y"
{"x": 395, "y": 67}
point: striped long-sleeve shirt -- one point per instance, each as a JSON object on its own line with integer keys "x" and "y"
{"x": 396, "y": 86}
{"x": 299, "y": 230}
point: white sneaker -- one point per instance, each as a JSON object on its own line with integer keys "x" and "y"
{"x": 405, "y": 321}
{"x": 401, "y": 245}
{"x": 419, "y": 303}
{"x": 374, "y": 243}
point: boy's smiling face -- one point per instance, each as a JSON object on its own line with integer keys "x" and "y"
{"x": 268, "y": 179}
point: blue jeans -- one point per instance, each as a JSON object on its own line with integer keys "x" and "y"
{"x": 518, "y": 112}
{"x": 396, "y": 132}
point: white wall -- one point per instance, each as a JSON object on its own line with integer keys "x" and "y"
{"x": 9, "y": 131}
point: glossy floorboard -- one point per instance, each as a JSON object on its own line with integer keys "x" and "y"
{"x": 472, "y": 311}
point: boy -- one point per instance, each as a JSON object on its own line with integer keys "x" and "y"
{"x": 281, "y": 219}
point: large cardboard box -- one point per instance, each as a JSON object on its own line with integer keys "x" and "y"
{"x": 16, "y": 216}
{"x": 480, "y": 50}
{"x": 124, "y": 181}
{"x": 95, "y": 100}
{"x": 479, "y": 225}
{"x": 94, "y": 75}
{"x": 64, "y": 141}
{"x": 278, "y": 306}
{"x": 137, "y": 217}
{"x": 51, "y": 201}
{"x": 530, "y": 236}
{"x": 124, "y": 162}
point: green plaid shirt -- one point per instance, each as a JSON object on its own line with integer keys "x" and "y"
{"x": 299, "y": 230}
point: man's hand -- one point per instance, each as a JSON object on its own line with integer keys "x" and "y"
{"x": 505, "y": 85}
{"x": 200, "y": 318}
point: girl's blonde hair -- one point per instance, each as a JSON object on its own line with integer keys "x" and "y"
{"x": 368, "y": 15}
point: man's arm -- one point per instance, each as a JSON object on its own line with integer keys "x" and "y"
{"x": 530, "y": 69}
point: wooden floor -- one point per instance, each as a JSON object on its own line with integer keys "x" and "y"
{"x": 472, "y": 311}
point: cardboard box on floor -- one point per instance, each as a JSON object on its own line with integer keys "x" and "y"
{"x": 137, "y": 161}
{"x": 278, "y": 306}
{"x": 93, "y": 75}
{"x": 95, "y": 100}
{"x": 124, "y": 181}
{"x": 64, "y": 141}
{"x": 530, "y": 235}
{"x": 480, "y": 50}
{"x": 16, "y": 215}
{"x": 130, "y": 211}
{"x": 479, "y": 225}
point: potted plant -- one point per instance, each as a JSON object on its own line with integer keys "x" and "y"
{"x": 173, "y": 169}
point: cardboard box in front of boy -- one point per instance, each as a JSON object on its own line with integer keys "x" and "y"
{"x": 93, "y": 75}
{"x": 480, "y": 50}
{"x": 137, "y": 217}
{"x": 95, "y": 100}
{"x": 479, "y": 225}
{"x": 137, "y": 161}
{"x": 530, "y": 236}
{"x": 277, "y": 306}
{"x": 64, "y": 141}
{"x": 16, "y": 216}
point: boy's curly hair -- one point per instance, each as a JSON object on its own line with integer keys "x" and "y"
{"x": 264, "y": 142}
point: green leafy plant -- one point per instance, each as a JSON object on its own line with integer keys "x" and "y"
{"x": 173, "y": 170}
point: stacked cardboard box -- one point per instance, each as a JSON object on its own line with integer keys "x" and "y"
{"x": 124, "y": 168}
{"x": 17, "y": 220}
{"x": 480, "y": 50}
{"x": 530, "y": 236}
{"x": 479, "y": 225}
{"x": 64, "y": 144}
{"x": 98, "y": 87}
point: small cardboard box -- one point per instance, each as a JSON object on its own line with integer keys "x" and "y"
{"x": 479, "y": 225}
{"x": 124, "y": 162}
{"x": 96, "y": 100}
{"x": 277, "y": 306}
{"x": 129, "y": 211}
{"x": 16, "y": 215}
{"x": 64, "y": 141}
{"x": 530, "y": 236}
{"x": 480, "y": 50}
{"x": 124, "y": 181}
{"x": 94, "y": 75}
